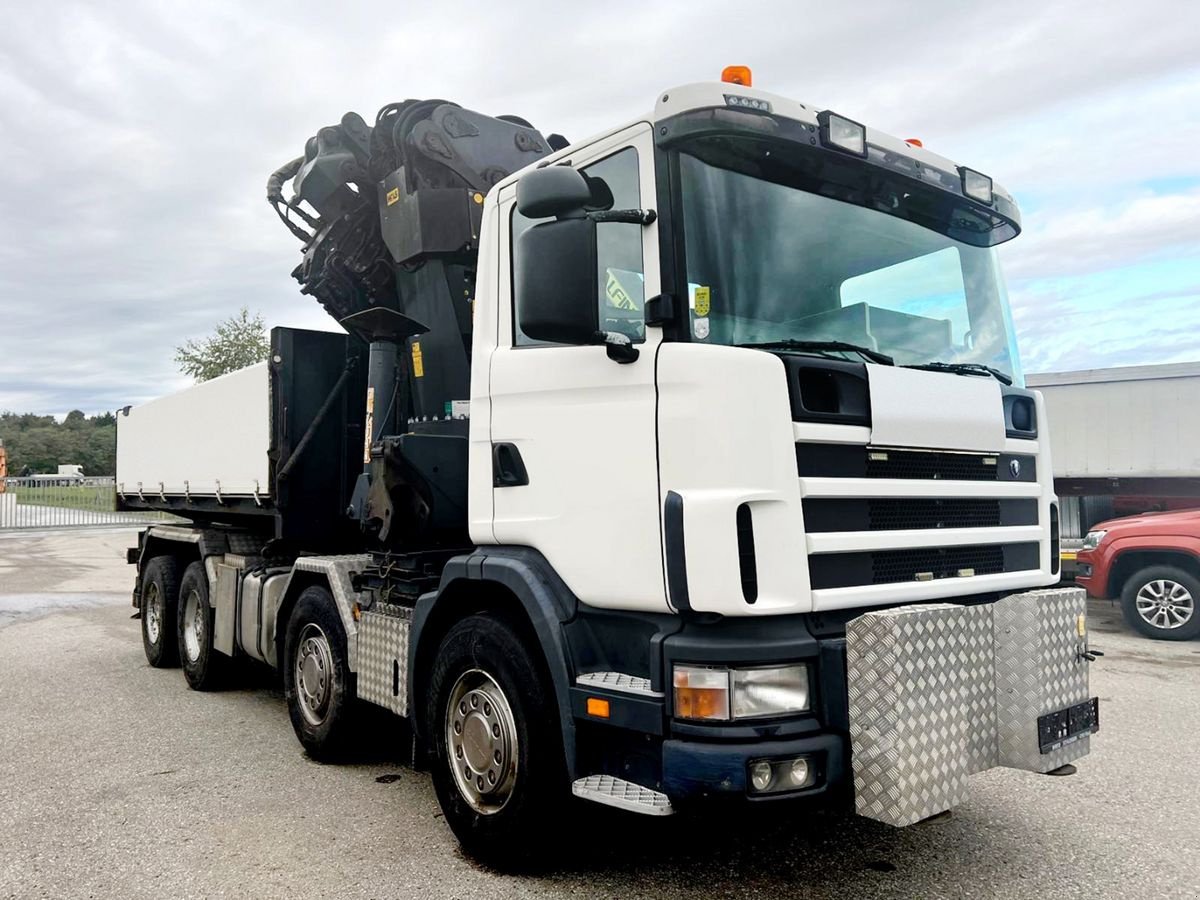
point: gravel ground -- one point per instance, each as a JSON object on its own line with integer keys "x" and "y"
{"x": 116, "y": 780}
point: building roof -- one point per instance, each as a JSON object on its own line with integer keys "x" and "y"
{"x": 1120, "y": 373}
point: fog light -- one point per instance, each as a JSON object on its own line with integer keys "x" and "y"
{"x": 779, "y": 776}
{"x": 761, "y": 775}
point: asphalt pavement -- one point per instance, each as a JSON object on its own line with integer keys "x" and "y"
{"x": 118, "y": 781}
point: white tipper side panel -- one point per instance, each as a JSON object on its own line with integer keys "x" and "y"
{"x": 215, "y": 431}
{"x": 725, "y": 438}
{"x": 915, "y": 408}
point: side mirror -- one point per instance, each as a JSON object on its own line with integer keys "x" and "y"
{"x": 552, "y": 191}
{"x": 556, "y": 284}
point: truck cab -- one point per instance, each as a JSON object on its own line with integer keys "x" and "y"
{"x": 713, "y": 457}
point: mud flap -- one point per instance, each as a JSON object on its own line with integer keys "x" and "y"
{"x": 938, "y": 692}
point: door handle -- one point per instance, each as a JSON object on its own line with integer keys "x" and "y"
{"x": 508, "y": 469}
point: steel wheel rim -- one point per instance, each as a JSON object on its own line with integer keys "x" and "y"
{"x": 1165, "y": 604}
{"x": 314, "y": 674}
{"x": 152, "y": 610}
{"x": 193, "y": 625}
{"x": 481, "y": 742}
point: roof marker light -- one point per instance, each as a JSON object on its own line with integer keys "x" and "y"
{"x": 842, "y": 134}
{"x": 916, "y": 142}
{"x": 736, "y": 75}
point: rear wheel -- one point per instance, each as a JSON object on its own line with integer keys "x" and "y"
{"x": 493, "y": 724}
{"x": 317, "y": 680}
{"x": 159, "y": 599}
{"x": 1160, "y": 602}
{"x": 204, "y": 667}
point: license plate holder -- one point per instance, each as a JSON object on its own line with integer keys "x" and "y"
{"x": 1066, "y": 726}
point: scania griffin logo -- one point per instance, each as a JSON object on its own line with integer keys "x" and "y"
{"x": 1014, "y": 466}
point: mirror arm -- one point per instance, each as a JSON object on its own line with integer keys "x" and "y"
{"x": 619, "y": 347}
{"x": 631, "y": 216}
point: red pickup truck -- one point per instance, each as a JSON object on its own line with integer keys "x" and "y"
{"x": 1152, "y": 562}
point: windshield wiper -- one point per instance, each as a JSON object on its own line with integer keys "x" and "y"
{"x": 817, "y": 346}
{"x": 965, "y": 368}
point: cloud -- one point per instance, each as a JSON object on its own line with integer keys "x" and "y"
{"x": 138, "y": 137}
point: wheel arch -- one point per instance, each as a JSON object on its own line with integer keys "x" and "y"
{"x": 518, "y": 583}
{"x": 1129, "y": 562}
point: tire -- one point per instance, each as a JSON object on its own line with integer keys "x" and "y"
{"x": 487, "y": 687}
{"x": 1161, "y": 603}
{"x": 159, "y": 600}
{"x": 317, "y": 681}
{"x": 204, "y": 667}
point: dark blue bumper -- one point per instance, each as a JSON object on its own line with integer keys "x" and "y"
{"x": 692, "y": 769}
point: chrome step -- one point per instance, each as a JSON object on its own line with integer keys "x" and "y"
{"x": 623, "y": 795}
{"x": 618, "y": 681}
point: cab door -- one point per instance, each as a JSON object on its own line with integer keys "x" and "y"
{"x": 572, "y": 431}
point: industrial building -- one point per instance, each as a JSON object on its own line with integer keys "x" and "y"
{"x": 1123, "y": 441}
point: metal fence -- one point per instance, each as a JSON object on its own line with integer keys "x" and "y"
{"x": 51, "y": 501}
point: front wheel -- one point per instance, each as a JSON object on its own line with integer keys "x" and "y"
{"x": 317, "y": 681}
{"x": 498, "y": 769}
{"x": 1160, "y": 602}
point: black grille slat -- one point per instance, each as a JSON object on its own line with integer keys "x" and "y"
{"x": 891, "y": 566}
{"x": 927, "y": 465}
{"x": 823, "y": 515}
{"x": 893, "y": 514}
{"x": 856, "y": 568}
{"x": 842, "y": 461}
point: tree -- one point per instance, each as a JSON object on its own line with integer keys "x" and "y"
{"x": 238, "y": 342}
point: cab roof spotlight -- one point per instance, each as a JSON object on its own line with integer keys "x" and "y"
{"x": 842, "y": 134}
{"x": 976, "y": 185}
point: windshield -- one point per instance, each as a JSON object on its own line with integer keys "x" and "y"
{"x": 770, "y": 259}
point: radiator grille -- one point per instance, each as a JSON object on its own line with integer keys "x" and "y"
{"x": 891, "y": 566}
{"x": 922, "y": 464}
{"x": 891, "y": 514}
{"x": 857, "y": 568}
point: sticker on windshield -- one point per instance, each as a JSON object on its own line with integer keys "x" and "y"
{"x": 701, "y": 298}
{"x": 700, "y": 328}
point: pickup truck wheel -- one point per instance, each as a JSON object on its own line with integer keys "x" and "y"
{"x": 317, "y": 680}
{"x": 159, "y": 598}
{"x": 493, "y": 724}
{"x": 204, "y": 668}
{"x": 1160, "y": 602}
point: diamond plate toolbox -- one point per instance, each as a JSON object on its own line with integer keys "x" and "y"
{"x": 383, "y": 657}
{"x": 1040, "y": 637}
{"x": 938, "y": 692}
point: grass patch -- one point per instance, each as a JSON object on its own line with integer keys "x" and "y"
{"x": 96, "y": 497}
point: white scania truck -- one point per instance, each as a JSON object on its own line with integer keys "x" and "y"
{"x": 688, "y": 461}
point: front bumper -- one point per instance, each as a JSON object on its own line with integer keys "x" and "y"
{"x": 693, "y": 770}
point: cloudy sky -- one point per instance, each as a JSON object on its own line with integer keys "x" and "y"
{"x": 137, "y": 138}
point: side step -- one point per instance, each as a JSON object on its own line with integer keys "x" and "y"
{"x": 623, "y": 795}
{"x": 617, "y": 681}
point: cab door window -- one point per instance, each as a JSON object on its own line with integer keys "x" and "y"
{"x": 619, "y": 267}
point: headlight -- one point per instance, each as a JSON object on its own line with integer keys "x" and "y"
{"x": 769, "y": 692}
{"x": 1092, "y": 539}
{"x": 717, "y": 694}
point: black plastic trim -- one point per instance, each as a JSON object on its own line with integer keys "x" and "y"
{"x": 1020, "y": 413}
{"x": 677, "y": 584}
{"x": 508, "y": 469}
{"x": 827, "y": 390}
